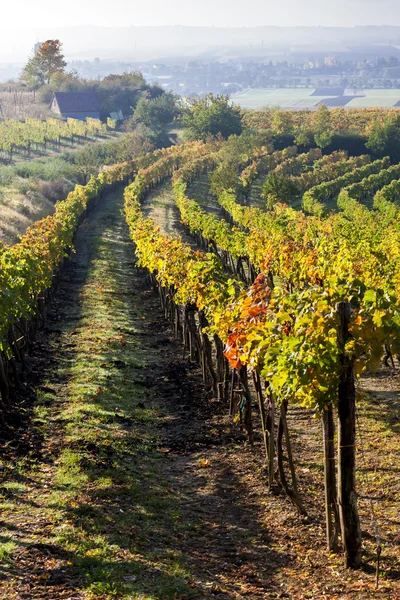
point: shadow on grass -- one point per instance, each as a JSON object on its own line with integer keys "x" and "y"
{"x": 110, "y": 383}
{"x": 115, "y": 406}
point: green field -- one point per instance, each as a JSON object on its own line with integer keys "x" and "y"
{"x": 303, "y": 98}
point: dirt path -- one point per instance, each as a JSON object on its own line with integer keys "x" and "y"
{"x": 125, "y": 479}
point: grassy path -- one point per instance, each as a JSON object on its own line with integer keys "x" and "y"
{"x": 128, "y": 480}
{"x": 85, "y": 515}
{"x": 101, "y": 509}
{"x": 199, "y": 190}
{"x": 160, "y": 206}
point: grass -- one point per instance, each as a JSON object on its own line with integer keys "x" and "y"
{"x": 199, "y": 191}
{"x": 109, "y": 505}
{"x": 6, "y": 550}
{"x": 101, "y": 502}
{"x": 30, "y": 188}
{"x": 18, "y": 212}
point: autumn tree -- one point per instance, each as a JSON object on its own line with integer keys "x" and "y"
{"x": 44, "y": 63}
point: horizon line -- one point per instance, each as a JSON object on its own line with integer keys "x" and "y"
{"x": 203, "y": 26}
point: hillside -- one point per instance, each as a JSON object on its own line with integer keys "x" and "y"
{"x": 204, "y": 399}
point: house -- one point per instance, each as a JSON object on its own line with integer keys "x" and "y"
{"x": 75, "y": 105}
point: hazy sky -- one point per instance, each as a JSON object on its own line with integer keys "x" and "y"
{"x": 36, "y": 13}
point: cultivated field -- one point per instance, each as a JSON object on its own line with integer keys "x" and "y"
{"x": 310, "y": 98}
{"x": 211, "y": 406}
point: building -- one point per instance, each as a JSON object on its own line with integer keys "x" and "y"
{"x": 75, "y": 105}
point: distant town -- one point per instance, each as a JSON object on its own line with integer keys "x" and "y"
{"x": 187, "y": 76}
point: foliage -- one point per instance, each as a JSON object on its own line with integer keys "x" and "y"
{"x": 27, "y": 268}
{"x": 287, "y": 332}
{"x": 65, "y": 82}
{"x": 156, "y": 113}
{"x": 322, "y": 127}
{"x": 45, "y": 63}
{"x": 290, "y": 336}
{"x": 224, "y": 177}
{"x": 127, "y": 81}
{"x": 285, "y": 325}
{"x": 279, "y": 189}
{"x": 121, "y": 92}
{"x": 315, "y": 199}
{"x": 384, "y": 136}
{"x": 302, "y": 122}
{"x": 210, "y": 115}
{"x": 112, "y": 123}
{"x": 303, "y": 136}
{"x": 34, "y": 136}
{"x": 281, "y": 123}
{"x": 114, "y": 151}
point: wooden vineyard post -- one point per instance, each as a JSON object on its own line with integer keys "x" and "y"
{"x": 290, "y": 460}
{"x": 221, "y": 368}
{"x": 226, "y": 377}
{"x": 4, "y": 389}
{"x": 232, "y": 395}
{"x": 247, "y": 416}
{"x": 331, "y": 511}
{"x": 271, "y": 441}
{"x": 177, "y": 321}
{"x": 257, "y": 385}
{"x": 283, "y": 432}
{"x": 349, "y": 519}
{"x": 206, "y": 350}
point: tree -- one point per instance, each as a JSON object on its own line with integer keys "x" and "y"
{"x": 384, "y": 136}
{"x": 279, "y": 189}
{"x": 33, "y": 74}
{"x": 47, "y": 61}
{"x": 303, "y": 137}
{"x": 87, "y": 162}
{"x": 65, "y": 82}
{"x": 126, "y": 81}
{"x": 281, "y": 122}
{"x": 156, "y": 113}
{"x": 122, "y": 92}
{"x": 225, "y": 177}
{"x": 322, "y": 126}
{"x": 303, "y": 134}
{"x": 210, "y": 115}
